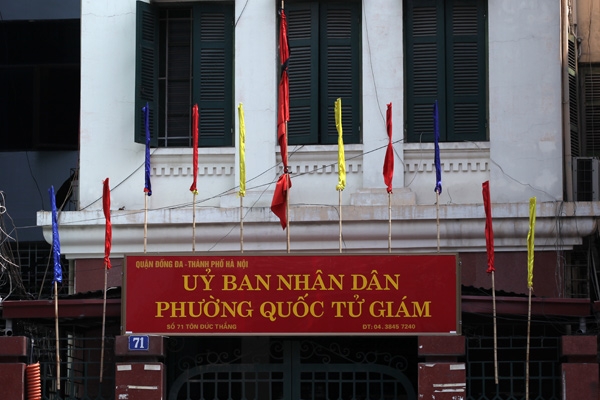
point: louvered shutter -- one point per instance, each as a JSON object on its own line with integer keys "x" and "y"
{"x": 213, "y": 73}
{"x": 146, "y": 71}
{"x": 339, "y": 70}
{"x": 465, "y": 71}
{"x": 591, "y": 97}
{"x": 573, "y": 98}
{"x": 303, "y": 40}
{"x": 445, "y": 61}
{"x": 425, "y": 74}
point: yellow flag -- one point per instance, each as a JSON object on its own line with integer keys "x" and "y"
{"x": 530, "y": 237}
{"x": 242, "y": 144}
{"x": 341, "y": 157}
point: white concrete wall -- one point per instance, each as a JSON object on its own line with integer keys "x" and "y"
{"x": 525, "y": 100}
{"x": 522, "y": 158}
{"x": 107, "y": 148}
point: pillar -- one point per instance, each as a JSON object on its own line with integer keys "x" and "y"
{"x": 442, "y": 376}
{"x": 140, "y": 372}
{"x": 580, "y": 367}
{"x": 13, "y": 355}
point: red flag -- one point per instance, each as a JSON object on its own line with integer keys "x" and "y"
{"x": 388, "y": 164}
{"x": 489, "y": 232}
{"x": 283, "y": 109}
{"x": 108, "y": 233}
{"x": 278, "y": 205}
{"x": 284, "y": 183}
{"x": 195, "y": 118}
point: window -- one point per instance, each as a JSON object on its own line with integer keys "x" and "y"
{"x": 445, "y": 45}
{"x": 591, "y": 108}
{"x": 185, "y": 56}
{"x": 39, "y": 76}
{"x": 324, "y": 64}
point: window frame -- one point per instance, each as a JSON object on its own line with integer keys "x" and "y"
{"x": 148, "y": 59}
{"x": 430, "y": 49}
{"x": 314, "y": 88}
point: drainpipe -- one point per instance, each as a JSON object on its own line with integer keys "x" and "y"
{"x": 8, "y": 329}
{"x": 582, "y": 326}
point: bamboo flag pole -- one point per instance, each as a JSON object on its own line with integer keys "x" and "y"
{"x": 242, "y": 160}
{"x": 57, "y": 335}
{"x": 528, "y": 344}
{"x": 194, "y": 223}
{"x": 495, "y": 329}
{"x": 103, "y": 323}
{"x": 241, "y": 224}
{"x": 530, "y": 254}
{"x": 341, "y": 185}
{"x": 107, "y": 265}
{"x": 437, "y": 218}
{"x": 57, "y": 277}
{"x": 280, "y": 205}
{"x": 287, "y": 198}
{"x": 147, "y": 182}
{"x": 388, "y": 171}
{"x": 389, "y": 222}
{"x": 489, "y": 242}
{"x": 193, "y": 189}
{"x": 284, "y": 48}
{"x": 145, "y": 221}
{"x": 340, "y": 207}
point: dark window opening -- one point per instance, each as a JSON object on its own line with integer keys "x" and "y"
{"x": 39, "y": 76}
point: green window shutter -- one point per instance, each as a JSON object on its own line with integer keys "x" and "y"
{"x": 339, "y": 70}
{"x": 146, "y": 71}
{"x": 573, "y": 98}
{"x": 465, "y": 71}
{"x": 591, "y": 109}
{"x": 425, "y": 73}
{"x": 213, "y": 73}
{"x": 303, "y": 35}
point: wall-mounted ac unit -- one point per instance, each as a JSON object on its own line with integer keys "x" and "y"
{"x": 586, "y": 179}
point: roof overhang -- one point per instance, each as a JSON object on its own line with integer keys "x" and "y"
{"x": 520, "y": 305}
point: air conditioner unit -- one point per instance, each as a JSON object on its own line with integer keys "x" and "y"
{"x": 586, "y": 179}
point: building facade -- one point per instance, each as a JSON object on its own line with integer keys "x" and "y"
{"x": 499, "y": 71}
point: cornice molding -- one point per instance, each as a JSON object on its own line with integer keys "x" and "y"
{"x": 316, "y": 229}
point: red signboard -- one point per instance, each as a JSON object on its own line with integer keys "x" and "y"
{"x": 291, "y": 294}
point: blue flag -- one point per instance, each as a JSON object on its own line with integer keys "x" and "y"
{"x": 147, "y": 185}
{"x": 55, "y": 239}
{"x": 436, "y": 135}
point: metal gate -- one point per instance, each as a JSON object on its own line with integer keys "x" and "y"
{"x": 293, "y": 370}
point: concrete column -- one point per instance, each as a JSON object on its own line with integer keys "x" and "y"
{"x": 580, "y": 369}
{"x": 442, "y": 376}
{"x": 140, "y": 372}
{"x": 13, "y": 355}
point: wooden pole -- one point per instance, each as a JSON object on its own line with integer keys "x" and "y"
{"x": 437, "y": 218}
{"x": 495, "y": 329}
{"x": 389, "y": 222}
{"x": 145, "y": 221}
{"x": 340, "y": 205}
{"x": 103, "y": 323}
{"x": 194, "y": 224}
{"x": 241, "y": 224}
{"x": 57, "y": 335}
{"x": 287, "y": 217}
{"x": 287, "y": 197}
{"x": 528, "y": 339}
